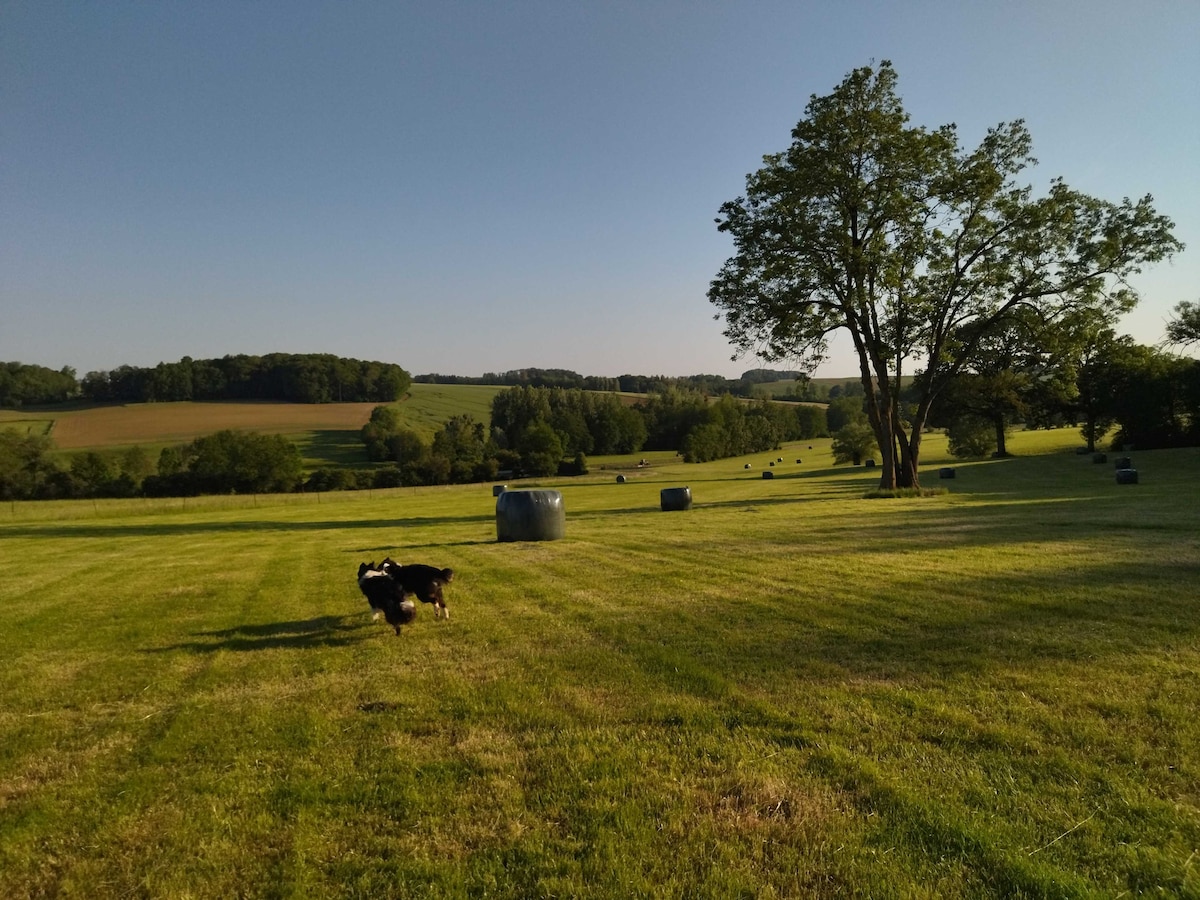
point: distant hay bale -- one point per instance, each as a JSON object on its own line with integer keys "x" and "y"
{"x": 772, "y": 463}
{"x": 676, "y": 498}
{"x": 747, "y": 466}
{"x": 870, "y": 463}
{"x": 620, "y": 479}
{"x": 947, "y": 472}
{"x": 1127, "y": 476}
{"x": 498, "y": 489}
{"x": 1099, "y": 457}
{"x": 767, "y": 474}
{"x": 798, "y": 461}
{"x": 530, "y": 516}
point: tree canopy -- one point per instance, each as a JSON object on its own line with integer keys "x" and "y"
{"x": 917, "y": 248}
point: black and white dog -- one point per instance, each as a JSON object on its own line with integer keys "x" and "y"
{"x": 423, "y": 582}
{"x": 385, "y": 596}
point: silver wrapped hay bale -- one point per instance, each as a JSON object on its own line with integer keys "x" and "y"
{"x": 530, "y": 516}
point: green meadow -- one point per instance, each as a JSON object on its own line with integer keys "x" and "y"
{"x": 785, "y": 691}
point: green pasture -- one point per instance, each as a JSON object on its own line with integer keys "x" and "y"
{"x": 786, "y": 691}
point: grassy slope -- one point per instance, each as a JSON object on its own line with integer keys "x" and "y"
{"x": 786, "y": 691}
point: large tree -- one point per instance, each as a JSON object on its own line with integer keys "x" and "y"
{"x": 914, "y": 247}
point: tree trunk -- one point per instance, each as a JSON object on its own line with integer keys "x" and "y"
{"x": 1001, "y": 446}
{"x": 907, "y": 475}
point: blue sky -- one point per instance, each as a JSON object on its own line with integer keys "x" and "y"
{"x": 468, "y": 187}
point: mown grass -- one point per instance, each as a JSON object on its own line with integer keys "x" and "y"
{"x": 785, "y": 691}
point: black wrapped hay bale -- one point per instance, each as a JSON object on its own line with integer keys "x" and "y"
{"x": 747, "y": 466}
{"x": 947, "y": 472}
{"x": 676, "y": 498}
{"x": 768, "y": 474}
{"x": 798, "y": 461}
{"x": 1124, "y": 462}
{"x": 773, "y": 463}
{"x": 870, "y": 463}
{"x": 498, "y": 489}
{"x": 530, "y": 516}
{"x": 620, "y": 479}
{"x": 1099, "y": 457}
{"x": 1127, "y": 476}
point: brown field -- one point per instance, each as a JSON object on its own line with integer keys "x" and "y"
{"x": 144, "y": 423}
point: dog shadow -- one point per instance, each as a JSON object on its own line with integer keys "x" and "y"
{"x": 322, "y": 631}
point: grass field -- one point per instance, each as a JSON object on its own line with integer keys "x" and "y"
{"x": 786, "y": 691}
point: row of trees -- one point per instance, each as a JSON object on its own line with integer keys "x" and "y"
{"x": 288, "y": 377}
{"x": 221, "y": 463}
{"x": 713, "y": 385}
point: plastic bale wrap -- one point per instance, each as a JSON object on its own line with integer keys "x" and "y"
{"x": 676, "y": 498}
{"x": 1127, "y": 476}
{"x": 946, "y": 473}
{"x": 530, "y": 516}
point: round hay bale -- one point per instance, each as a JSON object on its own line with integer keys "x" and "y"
{"x": 1099, "y": 457}
{"x": 530, "y": 516}
{"x": 772, "y": 463}
{"x": 767, "y": 474}
{"x": 1127, "y": 476}
{"x": 676, "y": 498}
{"x": 946, "y": 472}
{"x": 1124, "y": 462}
{"x": 498, "y": 489}
{"x": 870, "y": 463}
{"x": 780, "y": 459}
{"x": 798, "y": 461}
{"x": 747, "y": 466}
{"x": 620, "y": 479}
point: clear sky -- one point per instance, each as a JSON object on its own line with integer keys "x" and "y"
{"x": 463, "y": 187}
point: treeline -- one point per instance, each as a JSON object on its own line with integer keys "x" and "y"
{"x": 713, "y": 385}
{"x": 540, "y": 431}
{"x": 286, "y": 377}
{"x": 1151, "y": 398}
{"x": 222, "y": 463}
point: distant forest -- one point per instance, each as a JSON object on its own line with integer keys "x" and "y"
{"x": 286, "y": 377}
{"x": 712, "y": 385}
{"x": 324, "y": 378}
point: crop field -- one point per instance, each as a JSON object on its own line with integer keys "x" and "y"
{"x": 325, "y": 432}
{"x": 785, "y": 691}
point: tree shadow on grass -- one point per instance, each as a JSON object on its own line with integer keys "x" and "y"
{"x": 319, "y": 632}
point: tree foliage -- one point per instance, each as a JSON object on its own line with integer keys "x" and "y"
{"x": 1184, "y": 328}
{"x": 289, "y": 377}
{"x": 25, "y": 385}
{"x": 915, "y": 247}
